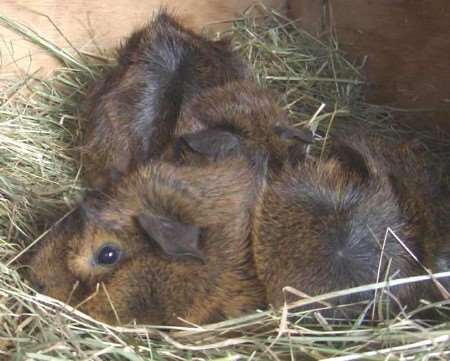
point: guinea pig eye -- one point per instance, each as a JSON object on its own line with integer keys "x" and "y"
{"x": 108, "y": 255}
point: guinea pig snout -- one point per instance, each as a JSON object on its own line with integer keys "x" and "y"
{"x": 26, "y": 270}
{"x": 38, "y": 284}
{"x": 57, "y": 286}
{"x": 36, "y": 279}
{"x": 48, "y": 274}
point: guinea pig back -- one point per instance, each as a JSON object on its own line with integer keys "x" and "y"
{"x": 133, "y": 108}
{"x": 322, "y": 226}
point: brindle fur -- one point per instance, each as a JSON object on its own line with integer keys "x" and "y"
{"x": 171, "y": 83}
{"x": 320, "y": 226}
{"x": 256, "y": 125}
{"x": 149, "y": 285}
{"x": 202, "y": 110}
{"x": 133, "y": 109}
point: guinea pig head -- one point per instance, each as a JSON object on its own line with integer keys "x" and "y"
{"x": 322, "y": 226}
{"x": 171, "y": 244}
{"x": 240, "y": 118}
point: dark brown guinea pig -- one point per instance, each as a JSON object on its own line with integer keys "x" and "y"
{"x": 172, "y": 243}
{"x": 238, "y": 118}
{"x": 133, "y": 109}
{"x": 320, "y": 226}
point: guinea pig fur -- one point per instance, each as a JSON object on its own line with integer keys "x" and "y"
{"x": 238, "y": 118}
{"x": 320, "y": 226}
{"x": 132, "y": 110}
{"x": 172, "y": 243}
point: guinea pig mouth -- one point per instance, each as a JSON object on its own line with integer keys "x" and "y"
{"x": 27, "y": 273}
{"x": 79, "y": 295}
{"x": 72, "y": 293}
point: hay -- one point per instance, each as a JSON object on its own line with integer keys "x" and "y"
{"x": 39, "y": 183}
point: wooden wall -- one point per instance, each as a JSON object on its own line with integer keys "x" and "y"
{"x": 407, "y": 43}
{"x": 92, "y": 24}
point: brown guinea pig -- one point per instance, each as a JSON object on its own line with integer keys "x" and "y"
{"x": 132, "y": 111}
{"x": 172, "y": 243}
{"x": 238, "y": 118}
{"x": 320, "y": 226}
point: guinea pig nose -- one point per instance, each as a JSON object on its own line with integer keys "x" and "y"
{"x": 38, "y": 285}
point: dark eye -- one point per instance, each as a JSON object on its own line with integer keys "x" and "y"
{"x": 108, "y": 255}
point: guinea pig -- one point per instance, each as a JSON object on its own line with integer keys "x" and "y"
{"x": 132, "y": 110}
{"x": 172, "y": 244}
{"x": 320, "y": 226}
{"x": 238, "y": 118}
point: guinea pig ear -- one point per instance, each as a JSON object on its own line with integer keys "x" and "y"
{"x": 175, "y": 239}
{"x": 287, "y": 132}
{"x": 299, "y": 140}
{"x": 212, "y": 142}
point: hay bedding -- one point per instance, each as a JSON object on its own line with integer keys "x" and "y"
{"x": 39, "y": 183}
